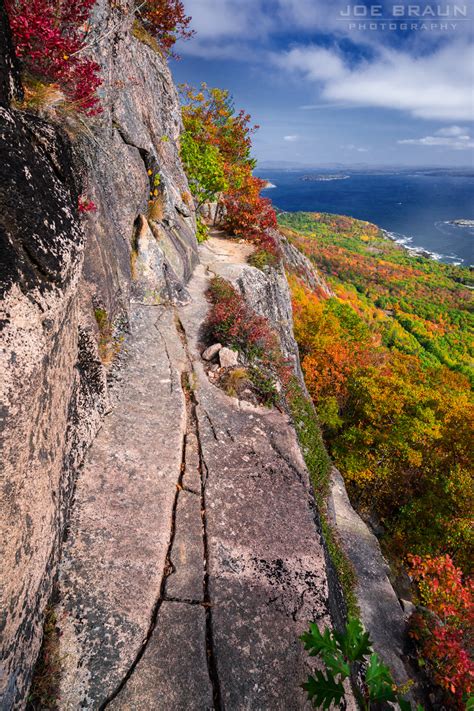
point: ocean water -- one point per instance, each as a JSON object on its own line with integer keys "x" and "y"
{"x": 414, "y": 208}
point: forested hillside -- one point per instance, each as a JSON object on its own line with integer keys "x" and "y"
{"x": 388, "y": 363}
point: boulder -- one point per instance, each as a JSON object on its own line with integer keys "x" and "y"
{"x": 228, "y": 358}
{"x": 212, "y": 351}
{"x": 408, "y": 607}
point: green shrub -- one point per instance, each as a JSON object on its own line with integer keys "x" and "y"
{"x": 204, "y": 168}
{"x": 263, "y": 259}
{"x": 264, "y": 384}
{"x": 343, "y": 654}
{"x": 202, "y": 230}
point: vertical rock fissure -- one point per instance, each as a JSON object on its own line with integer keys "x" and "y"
{"x": 193, "y": 426}
{"x": 191, "y": 431}
{"x": 167, "y": 570}
{"x": 210, "y": 648}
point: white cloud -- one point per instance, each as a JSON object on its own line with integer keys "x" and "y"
{"x": 427, "y": 78}
{"x": 449, "y": 137}
{"x": 452, "y": 131}
{"x": 431, "y": 86}
{"x": 216, "y": 19}
{"x": 352, "y": 147}
{"x": 291, "y": 139}
{"x": 315, "y": 62}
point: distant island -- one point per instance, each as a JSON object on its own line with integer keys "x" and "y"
{"x": 461, "y": 223}
{"x": 268, "y": 185}
{"x": 323, "y": 177}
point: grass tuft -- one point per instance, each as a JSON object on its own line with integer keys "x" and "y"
{"x": 143, "y": 36}
{"x": 109, "y": 345}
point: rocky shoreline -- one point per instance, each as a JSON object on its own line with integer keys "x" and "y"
{"x": 461, "y": 223}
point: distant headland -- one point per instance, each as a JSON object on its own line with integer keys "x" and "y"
{"x": 324, "y": 177}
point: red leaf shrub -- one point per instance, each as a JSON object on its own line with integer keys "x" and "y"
{"x": 250, "y": 216}
{"x": 86, "y": 205}
{"x": 47, "y": 36}
{"x": 233, "y": 323}
{"x": 167, "y": 21}
{"x": 446, "y": 636}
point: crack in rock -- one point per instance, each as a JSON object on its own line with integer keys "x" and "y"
{"x": 172, "y": 565}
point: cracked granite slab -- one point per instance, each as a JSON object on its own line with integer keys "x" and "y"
{"x": 172, "y": 673}
{"x": 187, "y": 580}
{"x": 115, "y": 553}
{"x": 266, "y": 566}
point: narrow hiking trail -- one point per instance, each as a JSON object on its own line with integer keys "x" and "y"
{"x": 193, "y": 560}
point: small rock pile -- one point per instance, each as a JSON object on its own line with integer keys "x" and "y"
{"x": 227, "y": 357}
{"x": 228, "y": 373}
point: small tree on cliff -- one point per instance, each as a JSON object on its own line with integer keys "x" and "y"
{"x": 212, "y": 124}
{"x": 167, "y": 21}
{"x": 203, "y": 165}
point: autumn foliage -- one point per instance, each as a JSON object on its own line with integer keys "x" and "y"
{"x": 249, "y": 215}
{"x": 232, "y": 322}
{"x": 167, "y": 21}
{"x": 211, "y": 121}
{"x": 387, "y": 363}
{"x": 49, "y": 36}
{"x": 445, "y": 633}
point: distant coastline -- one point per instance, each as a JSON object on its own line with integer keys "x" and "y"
{"x": 405, "y": 243}
{"x": 323, "y": 178}
{"x": 430, "y": 215}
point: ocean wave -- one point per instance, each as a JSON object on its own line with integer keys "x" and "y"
{"x": 407, "y": 243}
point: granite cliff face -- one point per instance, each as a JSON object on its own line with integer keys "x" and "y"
{"x": 56, "y": 271}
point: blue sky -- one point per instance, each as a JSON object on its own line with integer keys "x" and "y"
{"x": 327, "y": 89}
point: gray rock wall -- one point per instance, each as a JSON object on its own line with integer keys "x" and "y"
{"x": 134, "y": 150}
{"x": 9, "y": 71}
{"x": 55, "y": 269}
{"x": 41, "y": 247}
